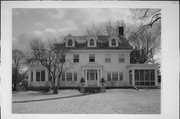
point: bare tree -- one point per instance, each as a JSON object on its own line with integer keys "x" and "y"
{"x": 53, "y": 58}
{"x": 147, "y": 34}
{"x": 18, "y": 60}
{"x": 106, "y": 28}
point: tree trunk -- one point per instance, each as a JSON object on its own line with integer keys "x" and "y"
{"x": 54, "y": 87}
{"x": 55, "y": 90}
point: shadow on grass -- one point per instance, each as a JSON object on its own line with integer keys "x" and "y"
{"x": 79, "y": 95}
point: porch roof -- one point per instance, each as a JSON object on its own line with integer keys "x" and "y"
{"x": 91, "y": 64}
{"x": 142, "y": 66}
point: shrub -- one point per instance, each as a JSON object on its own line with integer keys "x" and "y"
{"x": 103, "y": 80}
{"x": 40, "y": 88}
{"x": 82, "y": 80}
{"x": 25, "y": 84}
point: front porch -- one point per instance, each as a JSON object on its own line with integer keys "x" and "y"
{"x": 92, "y": 73}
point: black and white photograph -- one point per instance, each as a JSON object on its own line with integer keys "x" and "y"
{"x": 75, "y": 60}
{"x": 88, "y": 60}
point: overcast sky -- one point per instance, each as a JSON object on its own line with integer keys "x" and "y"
{"x": 56, "y": 23}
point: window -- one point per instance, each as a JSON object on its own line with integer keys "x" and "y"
{"x": 121, "y": 76}
{"x": 75, "y": 76}
{"x": 40, "y": 75}
{"x": 108, "y": 58}
{"x": 62, "y": 59}
{"x": 37, "y": 76}
{"x": 121, "y": 58}
{"x": 144, "y": 77}
{"x": 31, "y": 75}
{"x": 130, "y": 77}
{"x": 113, "y": 42}
{"x": 91, "y": 57}
{"x": 91, "y": 42}
{"x": 115, "y": 76}
{"x": 76, "y": 58}
{"x": 63, "y": 76}
{"x": 69, "y": 76}
{"x": 70, "y": 43}
{"x": 109, "y": 76}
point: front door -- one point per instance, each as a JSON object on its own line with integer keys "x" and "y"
{"x": 92, "y": 77}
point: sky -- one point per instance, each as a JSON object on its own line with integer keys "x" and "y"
{"x": 51, "y": 23}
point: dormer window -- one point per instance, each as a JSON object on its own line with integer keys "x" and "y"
{"x": 91, "y": 42}
{"x": 113, "y": 42}
{"x": 70, "y": 40}
{"x": 70, "y": 43}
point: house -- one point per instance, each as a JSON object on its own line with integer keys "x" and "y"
{"x": 97, "y": 57}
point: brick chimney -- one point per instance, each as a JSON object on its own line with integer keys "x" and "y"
{"x": 121, "y": 31}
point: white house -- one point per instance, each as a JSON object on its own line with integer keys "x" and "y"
{"x": 97, "y": 57}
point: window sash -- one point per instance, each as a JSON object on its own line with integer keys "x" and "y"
{"x": 63, "y": 77}
{"x": 70, "y": 42}
{"x": 91, "y": 42}
{"x": 76, "y": 57}
{"x": 115, "y": 76}
{"x": 109, "y": 76}
{"x": 113, "y": 42}
{"x": 69, "y": 76}
{"x": 75, "y": 76}
{"x": 121, "y": 58}
{"x": 120, "y": 76}
{"x": 31, "y": 75}
{"x": 144, "y": 77}
{"x": 91, "y": 58}
{"x": 107, "y": 58}
{"x": 38, "y": 76}
{"x": 43, "y": 75}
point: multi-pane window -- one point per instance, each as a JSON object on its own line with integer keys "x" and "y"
{"x": 107, "y": 58}
{"x": 63, "y": 76}
{"x": 38, "y": 76}
{"x": 121, "y": 76}
{"x": 75, "y": 76}
{"x": 109, "y": 76}
{"x": 115, "y": 76}
{"x": 43, "y": 75}
{"x": 91, "y": 57}
{"x": 70, "y": 42}
{"x": 31, "y": 75}
{"x": 62, "y": 59}
{"x": 144, "y": 77}
{"x": 121, "y": 58}
{"x": 69, "y": 76}
{"x": 113, "y": 42}
{"x": 91, "y": 42}
{"x": 130, "y": 77}
{"x": 76, "y": 58}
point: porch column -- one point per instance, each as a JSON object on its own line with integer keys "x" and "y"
{"x": 98, "y": 77}
{"x": 133, "y": 83}
{"x": 85, "y": 73}
{"x": 82, "y": 73}
{"x": 156, "y": 77}
{"x": 46, "y": 76}
{"x": 29, "y": 77}
{"x": 34, "y": 75}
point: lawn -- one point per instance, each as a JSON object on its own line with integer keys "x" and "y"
{"x": 114, "y": 101}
